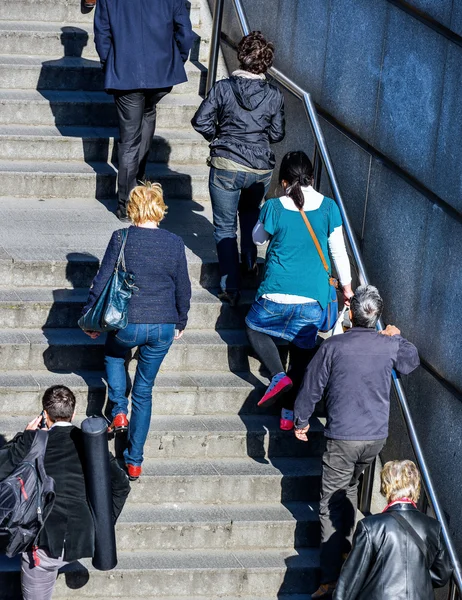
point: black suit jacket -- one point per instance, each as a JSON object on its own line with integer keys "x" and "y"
{"x": 70, "y": 523}
{"x": 387, "y": 564}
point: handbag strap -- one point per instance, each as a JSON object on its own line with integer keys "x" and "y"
{"x": 121, "y": 257}
{"x": 315, "y": 240}
{"x": 412, "y": 532}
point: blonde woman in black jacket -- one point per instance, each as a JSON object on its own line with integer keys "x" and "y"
{"x": 399, "y": 554}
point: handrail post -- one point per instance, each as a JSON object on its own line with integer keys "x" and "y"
{"x": 215, "y": 45}
{"x": 367, "y": 487}
{"x": 317, "y": 168}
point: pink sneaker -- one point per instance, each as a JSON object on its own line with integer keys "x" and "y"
{"x": 280, "y": 384}
{"x": 287, "y": 420}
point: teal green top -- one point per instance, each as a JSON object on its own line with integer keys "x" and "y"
{"x": 293, "y": 265}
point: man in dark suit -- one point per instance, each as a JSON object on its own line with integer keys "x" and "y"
{"x": 68, "y": 534}
{"x": 143, "y": 45}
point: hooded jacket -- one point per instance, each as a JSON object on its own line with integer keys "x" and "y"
{"x": 241, "y": 117}
{"x": 387, "y": 564}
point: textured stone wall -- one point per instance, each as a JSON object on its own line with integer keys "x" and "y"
{"x": 395, "y": 83}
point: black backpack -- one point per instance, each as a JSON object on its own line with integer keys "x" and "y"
{"x": 26, "y": 499}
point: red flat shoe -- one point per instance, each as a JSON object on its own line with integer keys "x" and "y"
{"x": 134, "y": 471}
{"x": 119, "y": 423}
{"x": 280, "y": 384}
{"x": 286, "y": 422}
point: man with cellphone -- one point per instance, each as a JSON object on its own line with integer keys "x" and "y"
{"x": 68, "y": 533}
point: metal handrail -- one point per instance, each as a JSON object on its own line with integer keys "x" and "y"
{"x": 321, "y": 148}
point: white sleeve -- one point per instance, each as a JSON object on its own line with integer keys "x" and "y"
{"x": 339, "y": 255}
{"x": 259, "y": 235}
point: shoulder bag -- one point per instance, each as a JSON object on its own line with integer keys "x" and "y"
{"x": 110, "y": 311}
{"x": 330, "y": 313}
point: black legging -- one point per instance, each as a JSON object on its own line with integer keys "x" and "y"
{"x": 267, "y": 351}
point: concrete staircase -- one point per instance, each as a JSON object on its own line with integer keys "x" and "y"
{"x": 227, "y": 504}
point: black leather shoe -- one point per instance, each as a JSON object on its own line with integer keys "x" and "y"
{"x": 122, "y": 216}
{"x": 249, "y": 262}
{"x": 231, "y": 297}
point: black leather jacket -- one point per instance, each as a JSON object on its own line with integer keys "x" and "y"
{"x": 241, "y": 117}
{"x": 387, "y": 564}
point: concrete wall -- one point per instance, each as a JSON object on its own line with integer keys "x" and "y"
{"x": 395, "y": 83}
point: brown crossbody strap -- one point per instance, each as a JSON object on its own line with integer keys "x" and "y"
{"x": 315, "y": 240}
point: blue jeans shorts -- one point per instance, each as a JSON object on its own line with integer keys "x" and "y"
{"x": 297, "y": 323}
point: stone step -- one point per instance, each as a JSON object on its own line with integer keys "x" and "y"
{"x": 197, "y": 393}
{"x": 74, "y": 73}
{"x": 261, "y": 573}
{"x": 58, "y": 243}
{"x": 212, "y": 437}
{"x": 85, "y": 109}
{"x": 70, "y": 350}
{"x": 95, "y": 144}
{"x": 230, "y": 481}
{"x": 55, "y": 39}
{"x": 275, "y": 596}
{"x": 29, "y": 308}
{"x": 144, "y": 527}
{"x": 96, "y": 180}
{"x": 65, "y": 11}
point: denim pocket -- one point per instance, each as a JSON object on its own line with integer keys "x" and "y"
{"x": 225, "y": 180}
{"x": 166, "y": 333}
{"x": 273, "y": 308}
{"x": 311, "y": 312}
{"x": 128, "y": 335}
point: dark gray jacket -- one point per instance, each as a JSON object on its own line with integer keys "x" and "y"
{"x": 387, "y": 564}
{"x": 354, "y": 370}
{"x": 241, "y": 117}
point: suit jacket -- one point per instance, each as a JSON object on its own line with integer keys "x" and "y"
{"x": 142, "y": 44}
{"x": 70, "y": 523}
{"x": 387, "y": 564}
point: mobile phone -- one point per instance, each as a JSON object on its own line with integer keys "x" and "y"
{"x": 43, "y": 422}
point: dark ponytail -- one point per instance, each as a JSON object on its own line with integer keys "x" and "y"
{"x": 297, "y": 170}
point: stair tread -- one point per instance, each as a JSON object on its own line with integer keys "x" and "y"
{"x": 91, "y": 168}
{"x": 22, "y": 60}
{"x": 302, "y": 558}
{"x": 231, "y": 467}
{"x": 68, "y": 131}
{"x": 202, "y": 424}
{"x": 47, "y": 295}
{"x": 215, "y": 380}
{"x": 184, "y": 513}
{"x": 45, "y": 96}
{"x": 54, "y": 26}
{"x": 74, "y": 336}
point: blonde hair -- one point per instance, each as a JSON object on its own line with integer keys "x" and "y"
{"x": 146, "y": 203}
{"x": 400, "y": 479}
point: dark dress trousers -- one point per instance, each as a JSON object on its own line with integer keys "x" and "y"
{"x": 142, "y": 44}
{"x": 70, "y": 524}
{"x": 387, "y": 564}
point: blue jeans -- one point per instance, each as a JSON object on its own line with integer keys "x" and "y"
{"x": 153, "y": 343}
{"x": 235, "y": 193}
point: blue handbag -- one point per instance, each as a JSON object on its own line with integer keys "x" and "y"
{"x": 110, "y": 311}
{"x": 330, "y": 312}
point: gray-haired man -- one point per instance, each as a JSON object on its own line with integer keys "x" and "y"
{"x": 354, "y": 371}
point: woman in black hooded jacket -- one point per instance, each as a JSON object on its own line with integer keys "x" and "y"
{"x": 241, "y": 117}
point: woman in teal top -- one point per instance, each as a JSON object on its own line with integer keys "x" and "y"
{"x": 295, "y": 288}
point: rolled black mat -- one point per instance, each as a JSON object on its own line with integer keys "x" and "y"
{"x": 99, "y": 490}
